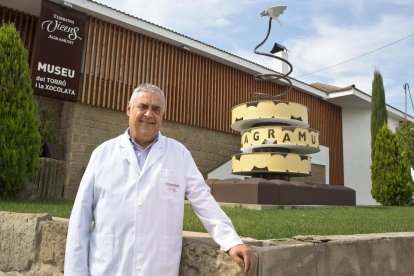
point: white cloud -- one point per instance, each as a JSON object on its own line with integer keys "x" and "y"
{"x": 184, "y": 15}
{"x": 319, "y": 34}
{"x": 331, "y": 44}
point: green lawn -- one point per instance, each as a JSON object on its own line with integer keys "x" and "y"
{"x": 272, "y": 224}
{"x": 57, "y": 208}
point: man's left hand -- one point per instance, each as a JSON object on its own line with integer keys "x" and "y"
{"x": 245, "y": 257}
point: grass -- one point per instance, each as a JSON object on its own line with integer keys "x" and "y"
{"x": 271, "y": 224}
{"x": 57, "y": 208}
{"x": 286, "y": 223}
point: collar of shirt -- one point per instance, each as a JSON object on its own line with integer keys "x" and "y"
{"x": 140, "y": 152}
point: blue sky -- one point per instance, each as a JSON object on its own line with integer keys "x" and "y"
{"x": 317, "y": 33}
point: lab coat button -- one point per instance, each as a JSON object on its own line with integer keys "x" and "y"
{"x": 140, "y": 206}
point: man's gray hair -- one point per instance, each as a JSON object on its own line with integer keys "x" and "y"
{"x": 147, "y": 87}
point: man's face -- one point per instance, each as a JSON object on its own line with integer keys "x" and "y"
{"x": 145, "y": 117}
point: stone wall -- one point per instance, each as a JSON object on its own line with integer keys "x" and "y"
{"x": 209, "y": 148}
{"x": 34, "y": 245}
{"x": 53, "y": 108}
{"x": 84, "y": 128}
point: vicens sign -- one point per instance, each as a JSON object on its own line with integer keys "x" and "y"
{"x": 58, "y": 25}
{"x": 58, "y": 56}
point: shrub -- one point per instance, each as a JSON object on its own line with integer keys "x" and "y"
{"x": 390, "y": 170}
{"x": 405, "y": 134}
{"x": 19, "y": 127}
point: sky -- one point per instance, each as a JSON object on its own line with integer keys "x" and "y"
{"x": 373, "y": 34}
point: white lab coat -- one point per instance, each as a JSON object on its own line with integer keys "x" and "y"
{"x": 138, "y": 214}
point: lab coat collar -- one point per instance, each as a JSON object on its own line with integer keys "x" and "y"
{"x": 127, "y": 152}
{"x": 155, "y": 153}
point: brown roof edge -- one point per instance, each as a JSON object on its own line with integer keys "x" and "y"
{"x": 330, "y": 88}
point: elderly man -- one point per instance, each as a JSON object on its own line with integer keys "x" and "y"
{"x": 128, "y": 214}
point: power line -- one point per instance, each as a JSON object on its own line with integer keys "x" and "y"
{"x": 348, "y": 60}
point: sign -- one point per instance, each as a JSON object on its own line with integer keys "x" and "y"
{"x": 58, "y": 52}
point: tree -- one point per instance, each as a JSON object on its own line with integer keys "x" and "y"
{"x": 390, "y": 170}
{"x": 378, "y": 109}
{"x": 405, "y": 134}
{"x": 19, "y": 127}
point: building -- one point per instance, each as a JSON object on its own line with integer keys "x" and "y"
{"x": 202, "y": 84}
{"x": 356, "y": 131}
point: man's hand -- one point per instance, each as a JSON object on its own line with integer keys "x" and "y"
{"x": 245, "y": 257}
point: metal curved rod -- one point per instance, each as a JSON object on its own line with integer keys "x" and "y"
{"x": 276, "y": 75}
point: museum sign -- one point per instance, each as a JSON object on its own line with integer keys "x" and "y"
{"x": 58, "y": 52}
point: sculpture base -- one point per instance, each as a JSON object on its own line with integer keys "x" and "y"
{"x": 280, "y": 192}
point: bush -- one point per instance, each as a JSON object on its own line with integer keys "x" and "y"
{"x": 19, "y": 127}
{"x": 390, "y": 170}
{"x": 405, "y": 134}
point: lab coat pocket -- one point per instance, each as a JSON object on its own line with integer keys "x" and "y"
{"x": 101, "y": 254}
{"x": 171, "y": 186}
{"x": 169, "y": 254}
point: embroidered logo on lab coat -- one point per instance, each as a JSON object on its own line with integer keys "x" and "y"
{"x": 172, "y": 187}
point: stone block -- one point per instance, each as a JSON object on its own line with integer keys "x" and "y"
{"x": 19, "y": 240}
{"x": 224, "y": 191}
{"x": 201, "y": 256}
{"x": 246, "y": 193}
{"x": 52, "y": 246}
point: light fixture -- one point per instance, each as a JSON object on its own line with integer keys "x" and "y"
{"x": 278, "y": 48}
{"x": 67, "y": 4}
{"x": 185, "y": 48}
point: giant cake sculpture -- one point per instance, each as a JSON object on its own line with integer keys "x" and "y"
{"x": 275, "y": 139}
{"x": 275, "y": 144}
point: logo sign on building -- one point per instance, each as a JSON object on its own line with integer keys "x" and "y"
{"x": 58, "y": 52}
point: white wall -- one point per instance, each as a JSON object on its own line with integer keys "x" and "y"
{"x": 356, "y": 128}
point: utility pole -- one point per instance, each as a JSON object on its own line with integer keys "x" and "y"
{"x": 406, "y": 87}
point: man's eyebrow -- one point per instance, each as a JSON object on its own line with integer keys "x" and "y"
{"x": 152, "y": 105}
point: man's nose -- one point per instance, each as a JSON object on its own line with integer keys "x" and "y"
{"x": 148, "y": 112}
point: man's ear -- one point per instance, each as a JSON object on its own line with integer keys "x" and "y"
{"x": 128, "y": 111}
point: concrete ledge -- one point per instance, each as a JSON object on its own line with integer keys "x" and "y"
{"x": 34, "y": 244}
{"x": 366, "y": 254}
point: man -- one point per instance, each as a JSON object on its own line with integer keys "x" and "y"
{"x": 128, "y": 214}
